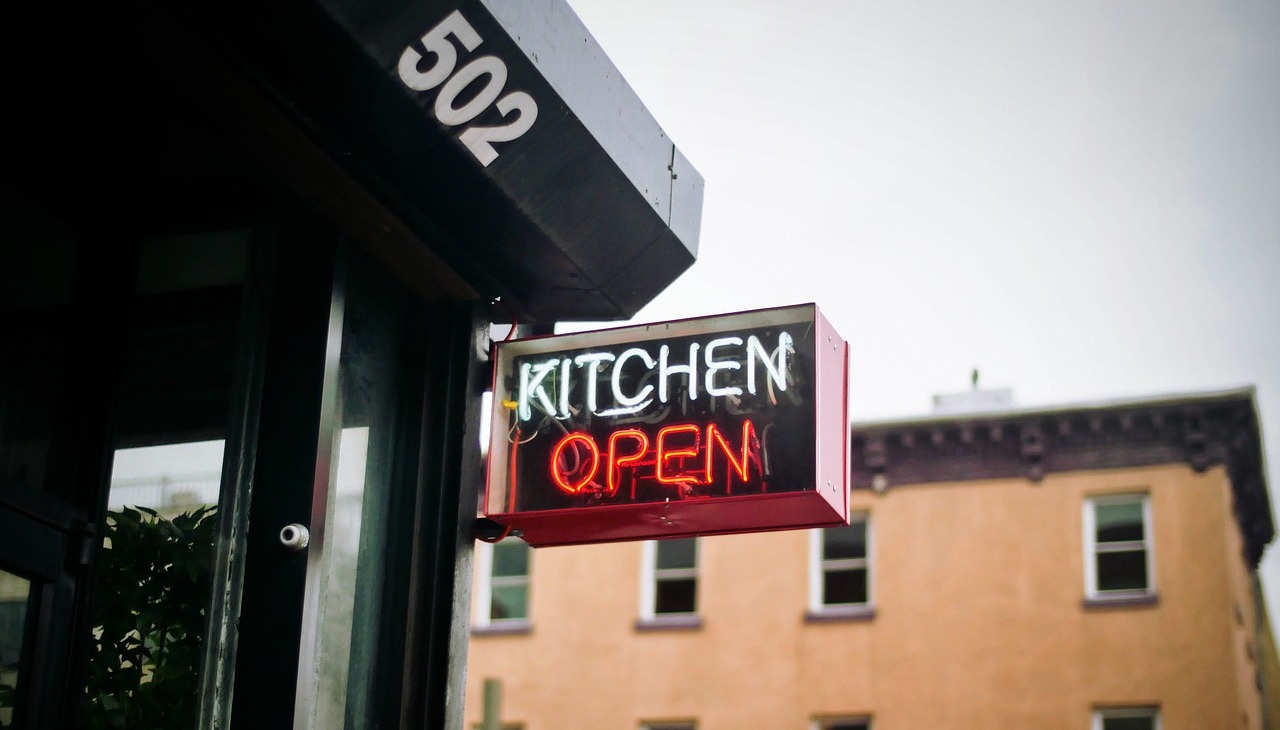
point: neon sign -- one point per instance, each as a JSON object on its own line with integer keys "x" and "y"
{"x": 677, "y": 457}
{"x": 534, "y": 376}
{"x": 671, "y": 429}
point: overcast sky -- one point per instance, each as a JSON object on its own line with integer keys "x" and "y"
{"x": 1080, "y": 199}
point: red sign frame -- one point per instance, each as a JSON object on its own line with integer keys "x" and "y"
{"x": 711, "y": 425}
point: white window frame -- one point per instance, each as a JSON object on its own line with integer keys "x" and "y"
{"x": 649, "y": 576}
{"x": 481, "y": 615}
{"x": 1119, "y": 713}
{"x": 1091, "y": 546}
{"x": 818, "y": 569}
{"x": 689, "y": 725}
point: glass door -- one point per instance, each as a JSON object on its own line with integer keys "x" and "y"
{"x": 368, "y": 438}
{"x": 338, "y": 462}
{"x": 168, "y": 535}
{"x": 352, "y": 522}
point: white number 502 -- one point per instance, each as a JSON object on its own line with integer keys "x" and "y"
{"x": 477, "y": 139}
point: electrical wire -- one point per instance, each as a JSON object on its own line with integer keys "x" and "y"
{"x": 510, "y": 314}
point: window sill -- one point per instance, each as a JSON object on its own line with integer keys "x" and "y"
{"x": 1124, "y": 600}
{"x": 511, "y": 627}
{"x": 680, "y": 622}
{"x": 840, "y": 613}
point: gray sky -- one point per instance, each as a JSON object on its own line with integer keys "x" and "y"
{"x": 1081, "y": 199}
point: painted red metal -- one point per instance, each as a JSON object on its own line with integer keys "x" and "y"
{"x": 725, "y": 424}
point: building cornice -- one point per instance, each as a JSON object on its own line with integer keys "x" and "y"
{"x": 1201, "y": 429}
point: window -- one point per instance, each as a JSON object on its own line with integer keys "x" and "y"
{"x": 1118, "y": 547}
{"x": 840, "y": 569}
{"x": 1127, "y": 718}
{"x": 668, "y": 726}
{"x": 670, "y": 586}
{"x": 842, "y": 723}
{"x": 502, "y": 588}
{"x": 15, "y": 599}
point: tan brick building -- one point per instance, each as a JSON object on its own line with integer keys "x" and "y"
{"x": 1089, "y": 566}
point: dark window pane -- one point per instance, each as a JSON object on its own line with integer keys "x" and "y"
{"x": 677, "y": 553}
{"x": 1120, "y": 571}
{"x": 1129, "y": 723}
{"x": 15, "y": 594}
{"x": 845, "y": 542}
{"x": 846, "y": 726}
{"x": 1119, "y": 522}
{"x": 509, "y": 602}
{"x": 37, "y": 263}
{"x": 844, "y": 586}
{"x": 510, "y": 557}
{"x": 676, "y": 596}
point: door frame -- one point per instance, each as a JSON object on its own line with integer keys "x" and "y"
{"x": 48, "y": 543}
{"x": 437, "y": 470}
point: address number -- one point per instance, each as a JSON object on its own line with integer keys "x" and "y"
{"x": 518, "y": 109}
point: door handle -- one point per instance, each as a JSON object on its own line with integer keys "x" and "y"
{"x": 294, "y": 537}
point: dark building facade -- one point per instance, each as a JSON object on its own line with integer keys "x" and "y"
{"x": 276, "y": 235}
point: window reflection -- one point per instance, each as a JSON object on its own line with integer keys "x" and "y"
{"x": 168, "y": 478}
{"x": 35, "y": 294}
{"x": 338, "y": 594}
{"x": 156, "y": 585}
{"x": 675, "y": 577}
{"x": 15, "y": 592}
{"x": 180, "y": 371}
{"x": 348, "y": 556}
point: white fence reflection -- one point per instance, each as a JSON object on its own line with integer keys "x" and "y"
{"x": 165, "y": 492}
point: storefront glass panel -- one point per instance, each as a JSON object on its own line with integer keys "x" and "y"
{"x": 160, "y": 559}
{"x": 349, "y": 533}
{"x": 36, "y": 269}
{"x": 15, "y": 594}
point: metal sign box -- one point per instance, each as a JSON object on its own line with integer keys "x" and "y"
{"x": 724, "y": 424}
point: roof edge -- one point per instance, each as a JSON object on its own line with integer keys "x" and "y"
{"x": 1202, "y": 430}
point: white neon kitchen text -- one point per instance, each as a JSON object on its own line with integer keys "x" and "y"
{"x": 549, "y": 384}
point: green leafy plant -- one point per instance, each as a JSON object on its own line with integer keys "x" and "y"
{"x": 14, "y": 603}
{"x": 148, "y": 633}
{"x": 8, "y": 700}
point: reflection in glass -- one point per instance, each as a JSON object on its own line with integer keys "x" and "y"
{"x": 181, "y": 368}
{"x": 845, "y": 565}
{"x": 509, "y": 585}
{"x": 1120, "y": 545}
{"x": 1122, "y": 571}
{"x": 676, "y": 595}
{"x": 845, "y": 542}
{"x": 169, "y": 478}
{"x": 1119, "y": 522}
{"x": 675, "y": 576}
{"x": 1128, "y": 720}
{"x": 35, "y": 294}
{"x": 156, "y": 586}
{"x": 346, "y": 561}
{"x": 677, "y": 553}
{"x": 15, "y": 592}
{"x": 845, "y": 586}
{"x": 338, "y": 595}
